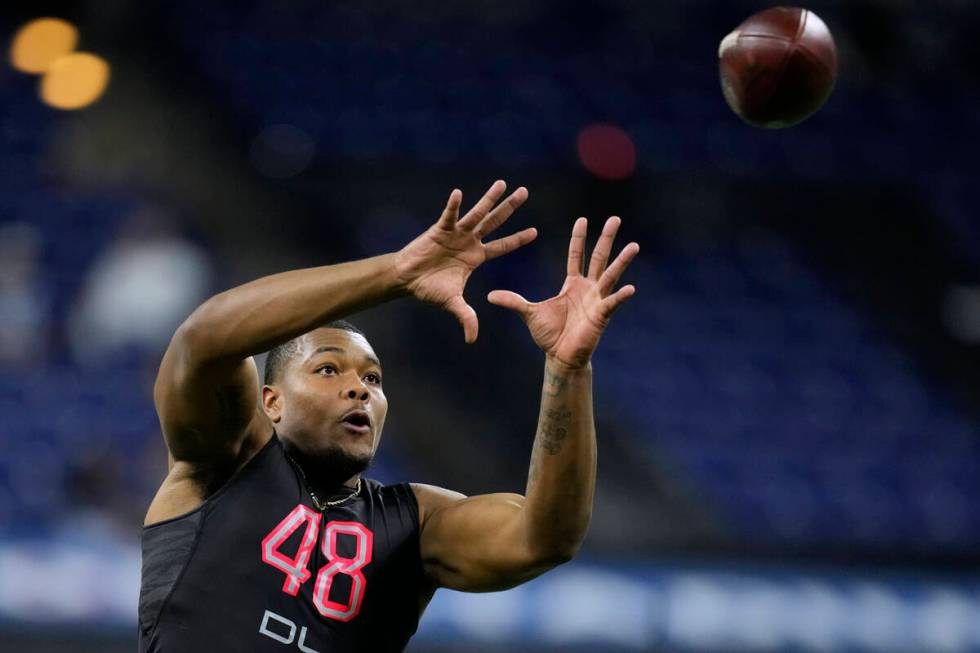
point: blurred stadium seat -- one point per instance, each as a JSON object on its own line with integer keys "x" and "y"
{"x": 785, "y": 407}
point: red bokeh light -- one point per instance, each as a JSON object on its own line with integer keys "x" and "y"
{"x": 607, "y": 152}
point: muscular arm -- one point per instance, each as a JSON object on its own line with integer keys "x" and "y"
{"x": 561, "y": 480}
{"x": 495, "y": 541}
{"x": 206, "y": 392}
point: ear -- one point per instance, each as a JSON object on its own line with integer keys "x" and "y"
{"x": 272, "y": 403}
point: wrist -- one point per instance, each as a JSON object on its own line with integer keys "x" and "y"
{"x": 394, "y": 274}
{"x": 559, "y": 366}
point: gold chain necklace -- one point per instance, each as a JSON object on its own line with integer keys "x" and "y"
{"x": 323, "y": 505}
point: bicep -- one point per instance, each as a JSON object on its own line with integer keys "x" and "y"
{"x": 206, "y": 408}
{"x": 476, "y": 544}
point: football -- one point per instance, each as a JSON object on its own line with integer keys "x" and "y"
{"x": 778, "y": 67}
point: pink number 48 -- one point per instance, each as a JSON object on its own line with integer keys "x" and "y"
{"x": 295, "y": 566}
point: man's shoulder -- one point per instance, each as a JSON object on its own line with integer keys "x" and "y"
{"x": 399, "y": 492}
{"x": 431, "y": 498}
{"x": 189, "y": 484}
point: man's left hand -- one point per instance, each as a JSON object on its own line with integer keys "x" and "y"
{"x": 568, "y": 326}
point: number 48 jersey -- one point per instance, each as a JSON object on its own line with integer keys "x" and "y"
{"x": 258, "y": 568}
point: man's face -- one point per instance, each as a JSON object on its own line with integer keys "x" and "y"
{"x": 328, "y": 399}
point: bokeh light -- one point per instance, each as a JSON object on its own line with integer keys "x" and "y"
{"x": 788, "y": 408}
{"x": 39, "y": 43}
{"x": 607, "y": 152}
{"x": 75, "y": 81}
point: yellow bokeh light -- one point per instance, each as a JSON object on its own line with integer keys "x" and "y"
{"x": 75, "y": 81}
{"x": 40, "y": 43}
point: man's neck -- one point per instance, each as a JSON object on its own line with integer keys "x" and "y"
{"x": 324, "y": 479}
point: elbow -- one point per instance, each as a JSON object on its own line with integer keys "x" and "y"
{"x": 557, "y": 553}
{"x": 564, "y": 554}
{"x": 197, "y": 336}
{"x": 557, "y": 558}
{"x": 189, "y": 340}
{"x": 556, "y": 543}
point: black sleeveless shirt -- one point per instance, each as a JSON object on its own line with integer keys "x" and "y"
{"x": 257, "y": 568}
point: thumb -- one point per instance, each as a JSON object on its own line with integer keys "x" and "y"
{"x": 466, "y": 316}
{"x": 511, "y": 300}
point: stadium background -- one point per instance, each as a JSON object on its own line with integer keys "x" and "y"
{"x": 788, "y": 410}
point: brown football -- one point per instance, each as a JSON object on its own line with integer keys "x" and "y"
{"x": 778, "y": 67}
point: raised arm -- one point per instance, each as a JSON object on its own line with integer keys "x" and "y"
{"x": 495, "y": 541}
{"x": 206, "y": 392}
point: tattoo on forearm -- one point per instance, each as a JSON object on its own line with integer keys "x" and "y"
{"x": 553, "y": 383}
{"x": 554, "y": 429}
{"x": 534, "y": 472}
{"x": 553, "y": 424}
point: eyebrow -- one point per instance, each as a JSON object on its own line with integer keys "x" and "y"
{"x": 340, "y": 350}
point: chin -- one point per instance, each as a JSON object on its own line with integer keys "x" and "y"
{"x": 342, "y": 462}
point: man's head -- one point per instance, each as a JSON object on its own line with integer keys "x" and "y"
{"x": 323, "y": 393}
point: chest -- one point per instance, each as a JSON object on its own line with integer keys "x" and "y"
{"x": 338, "y": 556}
{"x": 265, "y": 568}
{"x": 340, "y": 566}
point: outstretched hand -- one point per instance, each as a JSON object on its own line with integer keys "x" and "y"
{"x": 568, "y": 326}
{"x": 435, "y": 266}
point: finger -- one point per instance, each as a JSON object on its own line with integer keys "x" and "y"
{"x": 511, "y": 300}
{"x": 600, "y": 255}
{"x": 499, "y": 215}
{"x": 611, "y": 276}
{"x": 611, "y": 303}
{"x": 481, "y": 208}
{"x": 576, "y": 247}
{"x": 508, "y": 244}
{"x": 451, "y": 212}
{"x": 466, "y": 316}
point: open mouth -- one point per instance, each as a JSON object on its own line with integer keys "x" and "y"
{"x": 357, "y": 420}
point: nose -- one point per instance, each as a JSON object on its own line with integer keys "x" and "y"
{"x": 355, "y": 394}
{"x": 355, "y": 389}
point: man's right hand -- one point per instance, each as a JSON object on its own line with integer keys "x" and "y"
{"x": 435, "y": 266}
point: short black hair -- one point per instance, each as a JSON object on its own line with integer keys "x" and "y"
{"x": 280, "y": 355}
